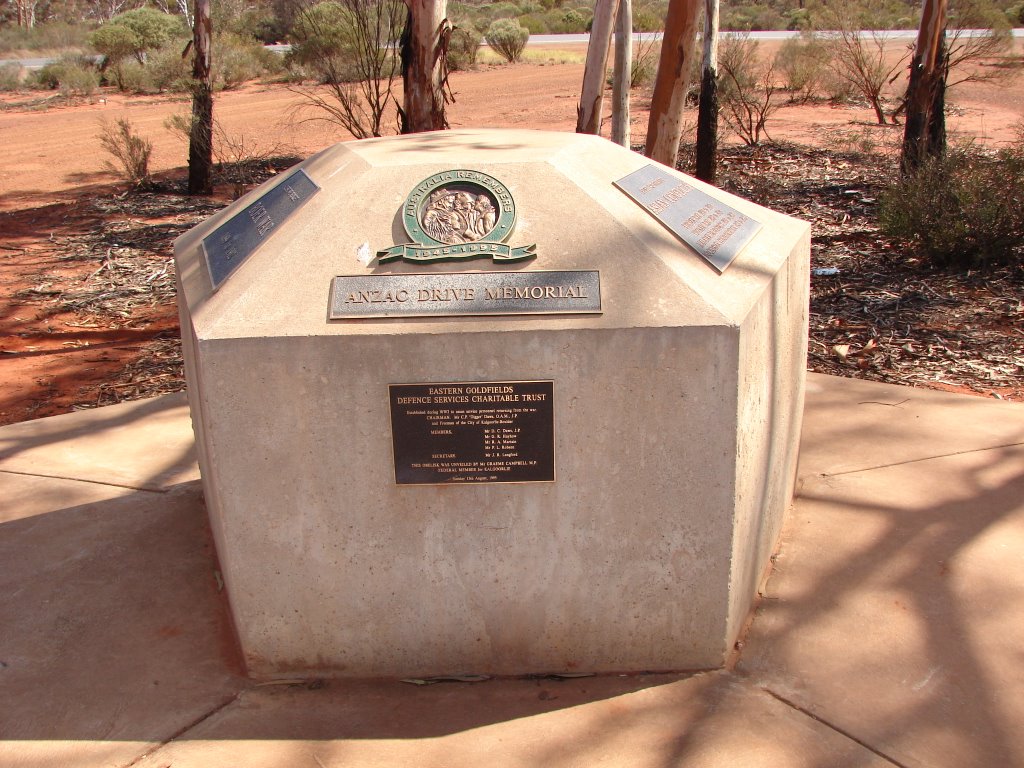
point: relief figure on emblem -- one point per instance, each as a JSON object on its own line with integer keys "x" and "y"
{"x": 455, "y": 216}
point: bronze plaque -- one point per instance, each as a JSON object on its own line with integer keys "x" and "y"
{"x": 473, "y": 432}
{"x": 237, "y": 239}
{"x": 447, "y": 294}
{"x": 715, "y": 230}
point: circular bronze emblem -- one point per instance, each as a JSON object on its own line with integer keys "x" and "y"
{"x": 459, "y": 207}
{"x": 456, "y": 215}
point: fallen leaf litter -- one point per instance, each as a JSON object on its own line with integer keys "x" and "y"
{"x": 876, "y": 313}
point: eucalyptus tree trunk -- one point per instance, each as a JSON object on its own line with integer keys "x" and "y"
{"x": 665, "y": 126}
{"x": 588, "y": 112}
{"x": 622, "y": 77}
{"x": 425, "y": 66}
{"x": 200, "y": 140}
{"x": 924, "y": 134}
{"x": 707, "y": 111}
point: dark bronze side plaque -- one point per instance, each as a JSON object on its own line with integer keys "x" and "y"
{"x": 473, "y": 432}
{"x": 237, "y": 239}
{"x": 717, "y": 232}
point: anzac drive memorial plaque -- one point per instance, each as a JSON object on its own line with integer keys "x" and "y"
{"x": 492, "y": 402}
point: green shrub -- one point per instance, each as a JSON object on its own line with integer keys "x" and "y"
{"x": 798, "y": 19}
{"x": 47, "y": 76}
{"x": 115, "y": 42}
{"x": 803, "y": 63}
{"x": 747, "y": 18}
{"x": 237, "y": 60}
{"x": 645, "y": 21}
{"x": 49, "y": 36}
{"x": 507, "y": 38}
{"x": 130, "y": 151}
{"x": 135, "y": 33}
{"x": 504, "y": 11}
{"x": 11, "y": 76}
{"x": 133, "y": 77}
{"x": 574, "y": 22}
{"x": 72, "y": 74}
{"x": 463, "y": 46}
{"x": 168, "y": 71}
{"x": 534, "y": 23}
{"x": 79, "y": 81}
{"x": 165, "y": 70}
{"x": 962, "y": 211}
{"x": 328, "y": 39}
{"x": 566, "y": 22}
{"x": 261, "y": 24}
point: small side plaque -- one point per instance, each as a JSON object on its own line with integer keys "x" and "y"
{"x": 238, "y": 238}
{"x": 441, "y": 294}
{"x": 473, "y": 432}
{"x": 713, "y": 229}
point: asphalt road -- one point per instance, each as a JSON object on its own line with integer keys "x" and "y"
{"x": 891, "y": 34}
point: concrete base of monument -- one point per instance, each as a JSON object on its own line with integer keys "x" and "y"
{"x": 671, "y": 430}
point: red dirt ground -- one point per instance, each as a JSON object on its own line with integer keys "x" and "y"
{"x": 53, "y": 161}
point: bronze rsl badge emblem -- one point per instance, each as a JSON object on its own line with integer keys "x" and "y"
{"x": 458, "y": 215}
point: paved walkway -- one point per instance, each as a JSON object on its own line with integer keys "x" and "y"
{"x": 891, "y": 632}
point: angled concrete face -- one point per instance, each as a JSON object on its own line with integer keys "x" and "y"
{"x": 676, "y": 414}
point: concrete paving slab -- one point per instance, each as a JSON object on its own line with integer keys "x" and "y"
{"x": 710, "y": 720}
{"x": 111, "y": 627}
{"x": 895, "y": 609}
{"x": 889, "y": 635}
{"x": 145, "y": 444}
{"x": 71, "y": 754}
{"x": 27, "y": 495}
{"x": 850, "y": 425}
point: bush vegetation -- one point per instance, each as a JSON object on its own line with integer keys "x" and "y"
{"x": 238, "y": 59}
{"x": 154, "y": 39}
{"x": 11, "y": 77}
{"x": 803, "y": 64}
{"x": 66, "y": 26}
{"x": 746, "y": 89}
{"x": 129, "y": 150}
{"x": 507, "y": 38}
{"x": 52, "y": 36}
{"x": 464, "y": 46}
{"x": 71, "y": 74}
{"x": 340, "y": 41}
{"x": 962, "y": 211}
{"x": 136, "y": 33}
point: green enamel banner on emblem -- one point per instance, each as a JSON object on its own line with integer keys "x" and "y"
{"x": 419, "y": 253}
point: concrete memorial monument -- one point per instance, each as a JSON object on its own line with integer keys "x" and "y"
{"x": 493, "y": 402}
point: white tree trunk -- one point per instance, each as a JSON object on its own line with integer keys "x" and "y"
{"x": 424, "y": 66}
{"x": 623, "y": 76}
{"x": 588, "y": 113}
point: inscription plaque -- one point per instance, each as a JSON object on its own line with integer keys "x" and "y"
{"x": 442, "y": 294}
{"x": 237, "y": 239}
{"x": 716, "y": 231}
{"x": 473, "y": 432}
